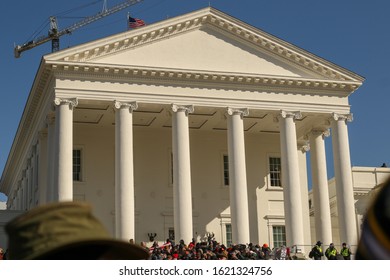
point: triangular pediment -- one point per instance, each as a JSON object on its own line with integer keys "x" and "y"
{"x": 205, "y": 49}
{"x": 206, "y": 41}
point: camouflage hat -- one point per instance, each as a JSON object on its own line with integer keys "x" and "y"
{"x": 65, "y": 231}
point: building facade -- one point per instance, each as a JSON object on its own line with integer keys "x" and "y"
{"x": 192, "y": 127}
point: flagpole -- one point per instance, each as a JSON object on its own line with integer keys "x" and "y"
{"x": 127, "y": 20}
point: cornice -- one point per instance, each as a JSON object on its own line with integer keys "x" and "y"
{"x": 208, "y": 17}
{"x": 332, "y": 87}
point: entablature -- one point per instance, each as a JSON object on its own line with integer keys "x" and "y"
{"x": 222, "y": 79}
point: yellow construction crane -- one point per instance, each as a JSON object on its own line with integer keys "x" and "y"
{"x": 55, "y": 34}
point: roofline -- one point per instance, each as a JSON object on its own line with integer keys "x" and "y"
{"x": 208, "y": 15}
{"x": 288, "y": 44}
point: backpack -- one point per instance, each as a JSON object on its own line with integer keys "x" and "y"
{"x": 311, "y": 254}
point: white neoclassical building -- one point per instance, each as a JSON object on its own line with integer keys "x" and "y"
{"x": 191, "y": 126}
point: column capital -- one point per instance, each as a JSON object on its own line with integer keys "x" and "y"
{"x": 243, "y": 112}
{"x": 126, "y": 105}
{"x": 71, "y": 102}
{"x": 188, "y": 109}
{"x": 296, "y": 115}
{"x": 324, "y": 132}
{"x": 303, "y": 146}
{"x": 342, "y": 117}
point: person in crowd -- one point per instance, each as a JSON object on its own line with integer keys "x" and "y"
{"x": 65, "y": 231}
{"x": 266, "y": 250}
{"x": 331, "y": 252}
{"x": 316, "y": 252}
{"x": 1, "y": 254}
{"x": 283, "y": 253}
{"x": 374, "y": 243}
{"x": 345, "y": 252}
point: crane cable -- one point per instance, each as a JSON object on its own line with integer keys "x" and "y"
{"x": 119, "y": 20}
{"x": 45, "y": 23}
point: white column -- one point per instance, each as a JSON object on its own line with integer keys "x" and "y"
{"x": 19, "y": 205}
{"x": 182, "y": 197}
{"x": 34, "y": 175}
{"x": 24, "y": 190}
{"x": 237, "y": 176}
{"x": 124, "y": 171}
{"x": 42, "y": 167}
{"x": 63, "y": 164}
{"x": 29, "y": 183}
{"x": 320, "y": 188}
{"x": 290, "y": 179}
{"x": 50, "y": 120}
{"x": 343, "y": 177}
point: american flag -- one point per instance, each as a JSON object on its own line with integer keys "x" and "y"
{"x": 135, "y": 22}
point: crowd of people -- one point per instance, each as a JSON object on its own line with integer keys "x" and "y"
{"x": 212, "y": 250}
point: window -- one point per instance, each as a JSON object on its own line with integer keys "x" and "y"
{"x": 275, "y": 169}
{"x": 229, "y": 240}
{"x": 226, "y": 170}
{"x": 279, "y": 236}
{"x": 77, "y": 165}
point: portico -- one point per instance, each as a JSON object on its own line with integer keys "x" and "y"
{"x": 144, "y": 121}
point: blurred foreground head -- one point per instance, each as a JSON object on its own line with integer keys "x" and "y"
{"x": 374, "y": 243}
{"x": 65, "y": 231}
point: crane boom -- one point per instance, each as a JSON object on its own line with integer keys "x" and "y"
{"x": 55, "y": 34}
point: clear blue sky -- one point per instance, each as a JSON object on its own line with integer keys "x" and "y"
{"x": 354, "y": 34}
